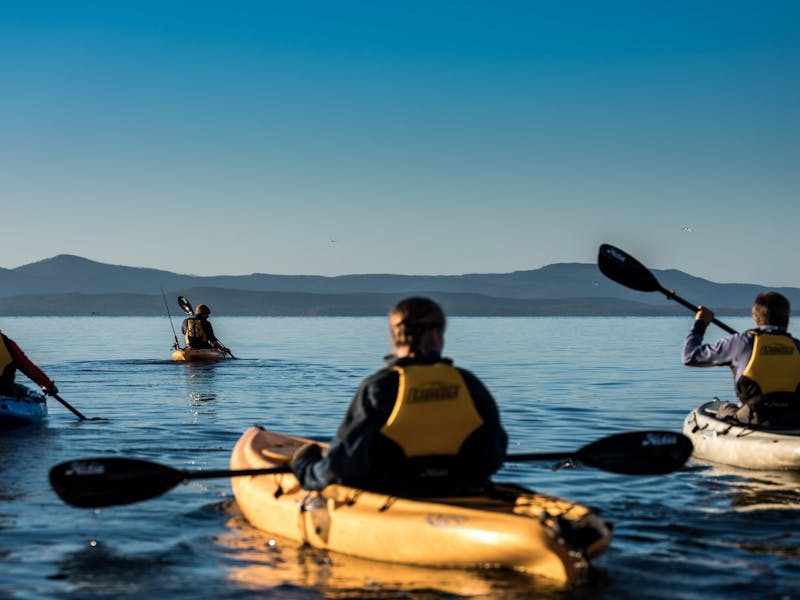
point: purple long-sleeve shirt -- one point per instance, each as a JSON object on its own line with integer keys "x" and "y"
{"x": 733, "y": 351}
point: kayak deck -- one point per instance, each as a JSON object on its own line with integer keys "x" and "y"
{"x": 190, "y": 354}
{"x": 508, "y": 527}
{"x": 18, "y": 411}
{"x": 743, "y": 446}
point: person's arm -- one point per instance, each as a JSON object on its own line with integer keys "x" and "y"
{"x": 486, "y": 448}
{"x": 209, "y": 331}
{"x": 698, "y": 354}
{"x": 212, "y": 339}
{"x": 350, "y": 455}
{"x": 28, "y": 368}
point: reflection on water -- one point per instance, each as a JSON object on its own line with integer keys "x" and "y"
{"x": 100, "y": 570}
{"x": 201, "y": 383}
{"x": 750, "y": 490}
{"x": 264, "y": 562}
{"x": 200, "y": 398}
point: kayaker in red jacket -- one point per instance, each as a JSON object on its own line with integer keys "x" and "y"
{"x": 12, "y": 358}
{"x": 765, "y": 363}
{"x": 418, "y": 427}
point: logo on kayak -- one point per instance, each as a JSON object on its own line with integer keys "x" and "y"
{"x": 445, "y": 521}
{"x": 660, "y": 439}
{"x": 84, "y": 468}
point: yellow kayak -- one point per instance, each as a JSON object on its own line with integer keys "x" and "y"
{"x": 509, "y": 527}
{"x": 199, "y": 354}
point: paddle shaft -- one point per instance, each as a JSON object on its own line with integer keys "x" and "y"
{"x": 74, "y": 410}
{"x": 670, "y": 294}
{"x": 219, "y": 473}
{"x": 238, "y": 473}
{"x": 531, "y": 456}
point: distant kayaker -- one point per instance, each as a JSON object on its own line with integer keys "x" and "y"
{"x": 418, "y": 426}
{"x": 198, "y": 332}
{"x": 12, "y": 358}
{"x": 765, "y": 363}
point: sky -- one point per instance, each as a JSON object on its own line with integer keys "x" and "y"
{"x": 414, "y": 137}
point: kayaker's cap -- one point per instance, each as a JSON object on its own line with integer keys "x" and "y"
{"x": 201, "y": 310}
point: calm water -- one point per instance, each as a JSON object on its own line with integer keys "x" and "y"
{"x": 704, "y": 532}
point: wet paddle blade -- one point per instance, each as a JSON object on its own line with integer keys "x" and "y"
{"x": 638, "y": 452}
{"x": 95, "y": 482}
{"x": 185, "y": 305}
{"x": 626, "y": 270}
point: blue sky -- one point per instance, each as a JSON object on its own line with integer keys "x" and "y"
{"x": 402, "y": 137}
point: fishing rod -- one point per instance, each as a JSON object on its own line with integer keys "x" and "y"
{"x": 175, "y": 335}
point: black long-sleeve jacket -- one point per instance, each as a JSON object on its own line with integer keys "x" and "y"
{"x": 360, "y": 456}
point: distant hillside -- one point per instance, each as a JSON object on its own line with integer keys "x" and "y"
{"x": 242, "y": 303}
{"x": 71, "y": 285}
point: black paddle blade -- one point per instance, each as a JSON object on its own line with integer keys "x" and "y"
{"x": 626, "y": 270}
{"x": 185, "y": 305}
{"x": 638, "y": 452}
{"x": 95, "y": 482}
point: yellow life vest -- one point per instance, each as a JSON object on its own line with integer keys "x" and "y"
{"x": 434, "y": 412}
{"x": 194, "y": 332}
{"x": 774, "y": 366}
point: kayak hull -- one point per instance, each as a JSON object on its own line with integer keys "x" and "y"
{"x": 738, "y": 445}
{"x": 511, "y": 527}
{"x": 30, "y": 409}
{"x": 191, "y": 354}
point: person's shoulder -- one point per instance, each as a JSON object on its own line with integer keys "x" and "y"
{"x": 469, "y": 377}
{"x": 382, "y": 374}
{"x": 379, "y": 382}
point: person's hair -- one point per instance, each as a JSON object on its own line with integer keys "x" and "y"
{"x": 202, "y": 310}
{"x": 417, "y": 315}
{"x": 771, "y": 308}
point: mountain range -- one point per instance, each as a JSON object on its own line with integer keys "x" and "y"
{"x": 67, "y": 285}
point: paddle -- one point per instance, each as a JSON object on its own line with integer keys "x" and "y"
{"x": 187, "y": 308}
{"x": 626, "y": 270}
{"x": 95, "y": 482}
{"x": 630, "y": 453}
{"x": 75, "y": 411}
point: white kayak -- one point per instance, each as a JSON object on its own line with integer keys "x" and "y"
{"x": 747, "y": 447}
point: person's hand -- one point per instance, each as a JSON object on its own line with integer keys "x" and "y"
{"x": 50, "y": 391}
{"x": 305, "y": 454}
{"x": 706, "y": 315}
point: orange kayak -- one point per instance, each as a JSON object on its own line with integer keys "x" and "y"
{"x": 199, "y": 354}
{"x": 509, "y": 527}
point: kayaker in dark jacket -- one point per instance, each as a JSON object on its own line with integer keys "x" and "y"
{"x": 419, "y": 426}
{"x": 765, "y": 363}
{"x": 198, "y": 332}
{"x": 12, "y": 358}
